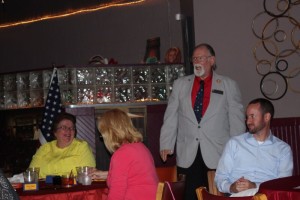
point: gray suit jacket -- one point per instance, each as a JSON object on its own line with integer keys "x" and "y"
{"x": 223, "y": 118}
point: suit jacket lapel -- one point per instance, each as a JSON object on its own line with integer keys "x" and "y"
{"x": 217, "y": 84}
{"x": 189, "y": 99}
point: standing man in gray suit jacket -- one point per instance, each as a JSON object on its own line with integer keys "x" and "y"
{"x": 200, "y": 138}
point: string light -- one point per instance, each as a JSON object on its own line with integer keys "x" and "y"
{"x": 82, "y": 11}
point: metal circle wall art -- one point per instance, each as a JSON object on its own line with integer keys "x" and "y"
{"x": 277, "y": 51}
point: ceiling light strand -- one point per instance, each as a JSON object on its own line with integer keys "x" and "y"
{"x": 70, "y": 13}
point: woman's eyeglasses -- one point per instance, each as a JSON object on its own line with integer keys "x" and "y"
{"x": 65, "y": 128}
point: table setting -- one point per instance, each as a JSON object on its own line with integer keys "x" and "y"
{"x": 79, "y": 184}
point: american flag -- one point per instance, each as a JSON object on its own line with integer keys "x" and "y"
{"x": 52, "y": 107}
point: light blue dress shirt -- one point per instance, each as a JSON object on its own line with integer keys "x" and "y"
{"x": 244, "y": 157}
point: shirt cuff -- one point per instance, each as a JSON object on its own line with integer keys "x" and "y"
{"x": 225, "y": 188}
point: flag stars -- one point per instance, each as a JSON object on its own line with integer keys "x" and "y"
{"x": 52, "y": 107}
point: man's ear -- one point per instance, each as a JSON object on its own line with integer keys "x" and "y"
{"x": 213, "y": 60}
{"x": 267, "y": 117}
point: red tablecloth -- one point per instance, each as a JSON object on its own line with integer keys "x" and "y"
{"x": 96, "y": 191}
{"x": 282, "y": 188}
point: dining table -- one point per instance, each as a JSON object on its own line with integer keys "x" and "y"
{"x": 287, "y": 188}
{"x": 96, "y": 191}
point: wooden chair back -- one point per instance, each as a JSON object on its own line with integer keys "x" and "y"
{"x": 167, "y": 173}
{"x": 212, "y": 188}
{"x": 171, "y": 190}
{"x": 203, "y": 194}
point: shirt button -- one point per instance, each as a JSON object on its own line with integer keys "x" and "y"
{"x": 197, "y": 139}
{"x": 199, "y": 126}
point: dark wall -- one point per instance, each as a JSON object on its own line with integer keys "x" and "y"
{"x": 118, "y": 32}
{"x": 13, "y": 11}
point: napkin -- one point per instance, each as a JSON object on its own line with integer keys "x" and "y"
{"x": 17, "y": 178}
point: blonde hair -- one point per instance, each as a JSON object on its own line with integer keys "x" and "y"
{"x": 116, "y": 128}
{"x": 177, "y": 55}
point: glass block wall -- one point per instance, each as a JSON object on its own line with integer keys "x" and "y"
{"x": 91, "y": 85}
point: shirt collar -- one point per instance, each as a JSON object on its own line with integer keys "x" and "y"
{"x": 269, "y": 140}
{"x": 206, "y": 80}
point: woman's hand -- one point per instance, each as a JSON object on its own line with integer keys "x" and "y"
{"x": 97, "y": 174}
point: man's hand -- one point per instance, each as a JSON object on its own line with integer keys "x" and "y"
{"x": 164, "y": 154}
{"x": 241, "y": 184}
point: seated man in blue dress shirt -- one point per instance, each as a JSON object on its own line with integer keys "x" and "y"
{"x": 253, "y": 157}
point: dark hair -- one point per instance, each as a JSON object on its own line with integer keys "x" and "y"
{"x": 266, "y": 106}
{"x": 210, "y": 50}
{"x": 63, "y": 116}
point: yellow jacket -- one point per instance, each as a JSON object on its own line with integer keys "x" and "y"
{"x": 56, "y": 161}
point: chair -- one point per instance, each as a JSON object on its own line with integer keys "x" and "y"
{"x": 171, "y": 190}
{"x": 167, "y": 173}
{"x": 212, "y": 188}
{"x": 203, "y": 194}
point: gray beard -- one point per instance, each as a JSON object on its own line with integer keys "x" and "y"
{"x": 199, "y": 73}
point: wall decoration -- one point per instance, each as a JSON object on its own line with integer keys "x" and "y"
{"x": 152, "y": 54}
{"x": 278, "y": 47}
{"x": 16, "y": 12}
{"x": 97, "y": 84}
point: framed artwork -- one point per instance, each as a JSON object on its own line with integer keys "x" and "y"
{"x": 152, "y": 54}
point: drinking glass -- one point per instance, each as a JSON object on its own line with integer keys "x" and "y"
{"x": 30, "y": 177}
{"x": 36, "y": 170}
{"x": 67, "y": 180}
{"x": 82, "y": 175}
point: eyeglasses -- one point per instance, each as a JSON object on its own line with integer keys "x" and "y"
{"x": 65, "y": 128}
{"x": 200, "y": 58}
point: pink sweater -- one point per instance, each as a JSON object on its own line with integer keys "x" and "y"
{"x": 132, "y": 173}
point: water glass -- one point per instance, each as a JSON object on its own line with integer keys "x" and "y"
{"x": 82, "y": 175}
{"x": 85, "y": 179}
{"x": 30, "y": 177}
{"x": 35, "y": 169}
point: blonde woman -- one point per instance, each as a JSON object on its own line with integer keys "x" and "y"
{"x": 132, "y": 172}
{"x": 173, "y": 55}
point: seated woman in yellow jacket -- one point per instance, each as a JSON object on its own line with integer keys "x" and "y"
{"x": 64, "y": 154}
